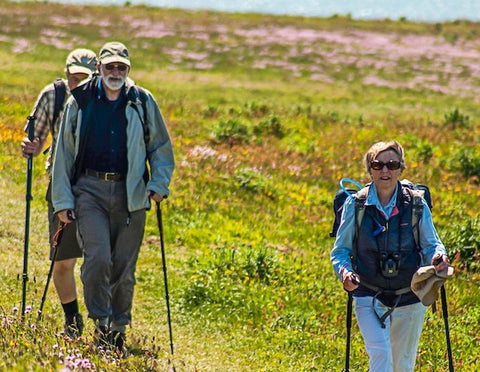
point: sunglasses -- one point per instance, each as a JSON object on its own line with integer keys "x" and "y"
{"x": 391, "y": 164}
{"x": 111, "y": 66}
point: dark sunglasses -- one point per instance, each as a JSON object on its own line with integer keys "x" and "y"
{"x": 391, "y": 164}
{"x": 111, "y": 66}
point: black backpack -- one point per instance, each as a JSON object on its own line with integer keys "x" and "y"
{"x": 60, "y": 93}
{"x": 340, "y": 196}
{"x": 344, "y": 192}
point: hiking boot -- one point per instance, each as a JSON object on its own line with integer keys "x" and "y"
{"x": 74, "y": 325}
{"x": 117, "y": 341}
{"x": 101, "y": 337}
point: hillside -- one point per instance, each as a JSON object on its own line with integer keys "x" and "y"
{"x": 266, "y": 114}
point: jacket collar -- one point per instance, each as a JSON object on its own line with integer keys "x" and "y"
{"x": 92, "y": 88}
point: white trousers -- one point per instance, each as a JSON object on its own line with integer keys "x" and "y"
{"x": 393, "y": 348}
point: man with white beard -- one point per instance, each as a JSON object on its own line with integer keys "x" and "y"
{"x": 110, "y": 129}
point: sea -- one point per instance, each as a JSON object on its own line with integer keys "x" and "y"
{"x": 431, "y": 11}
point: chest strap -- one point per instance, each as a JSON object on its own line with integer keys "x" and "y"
{"x": 378, "y": 291}
{"x": 387, "y": 292}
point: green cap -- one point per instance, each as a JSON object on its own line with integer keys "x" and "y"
{"x": 114, "y": 52}
{"x": 81, "y": 61}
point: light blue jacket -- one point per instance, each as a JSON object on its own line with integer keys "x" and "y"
{"x": 159, "y": 149}
{"x": 343, "y": 246}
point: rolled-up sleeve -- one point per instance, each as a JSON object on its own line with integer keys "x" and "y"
{"x": 429, "y": 239}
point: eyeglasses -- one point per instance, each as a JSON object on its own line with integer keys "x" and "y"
{"x": 111, "y": 66}
{"x": 391, "y": 164}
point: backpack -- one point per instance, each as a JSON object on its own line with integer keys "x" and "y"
{"x": 419, "y": 191}
{"x": 60, "y": 93}
{"x": 341, "y": 195}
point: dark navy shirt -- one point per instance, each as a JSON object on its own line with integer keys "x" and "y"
{"x": 106, "y": 145}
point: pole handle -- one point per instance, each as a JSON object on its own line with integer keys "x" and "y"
{"x": 31, "y": 127}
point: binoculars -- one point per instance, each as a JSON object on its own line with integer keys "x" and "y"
{"x": 389, "y": 264}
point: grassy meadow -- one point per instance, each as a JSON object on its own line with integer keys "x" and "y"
{"x": 266, "y": 114}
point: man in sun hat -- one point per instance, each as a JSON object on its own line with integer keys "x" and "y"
{"x": 109, "y": 132}
{"x": 80, "y": 64}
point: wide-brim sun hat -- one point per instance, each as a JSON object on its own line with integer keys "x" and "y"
{"x": 426, "y": 282}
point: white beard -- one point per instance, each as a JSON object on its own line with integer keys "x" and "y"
{"x": 113, "y": 82}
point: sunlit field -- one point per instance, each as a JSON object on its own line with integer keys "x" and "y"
{"x": 266, "y": 114}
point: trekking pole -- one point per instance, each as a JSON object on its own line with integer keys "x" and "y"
{"x": 349, "y": 327}
{"x": 447, "y": 329}
{"x": 56, "y": 240}
{"x": 28, "y": 198}
{"x": 167, "y": 298}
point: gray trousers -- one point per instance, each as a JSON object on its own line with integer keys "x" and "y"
{"x": 111, "y": 238}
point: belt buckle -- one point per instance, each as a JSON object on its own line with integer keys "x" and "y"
{"x": 107, "y": 176}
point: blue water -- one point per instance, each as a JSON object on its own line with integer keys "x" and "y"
{"x": 413, "y": 10}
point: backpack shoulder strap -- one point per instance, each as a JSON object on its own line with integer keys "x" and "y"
{"x": 60, "y": 93}
{"x": 360, "y": 199}
{"x": 142, "y": 95}
{"x": 417, "y": 212}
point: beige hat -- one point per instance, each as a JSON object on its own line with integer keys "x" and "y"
{"x": 426, "y": 281}
{"x": 81, "y": 61}
{"x": 114, "y": 52}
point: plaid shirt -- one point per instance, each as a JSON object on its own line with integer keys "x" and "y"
{"x": 43, "y": 112}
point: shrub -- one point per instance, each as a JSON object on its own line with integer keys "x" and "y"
{"x": 455, "y": 119}
{"x": 232, "y": 131}
{"x": 270, "y": 126}
{"x": 425, "y": 152}
{"x": 225, "y": 278}
{"x": 467, "y": 162}
{"x": 253, "y": 180}
{"x": 451, "y": 37}
{"x": 256, "y": 109}
{"x": 210, "y": 111}
{"x": 462, "y": 239}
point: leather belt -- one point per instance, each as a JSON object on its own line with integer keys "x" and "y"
{"x": 106, "y": 176}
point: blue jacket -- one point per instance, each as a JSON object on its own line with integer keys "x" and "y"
{"x": 391, "y": 238}
{"x": 159, "y": 148}
{"x": 395, "y": 214}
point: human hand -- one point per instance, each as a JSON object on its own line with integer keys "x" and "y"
{"x": 153, "y": 195}
{"x": 350, "y": 281}
{"x": 441, "y": 262}
{"x": 66, "y": 216}
{"x": 31, "y": 147}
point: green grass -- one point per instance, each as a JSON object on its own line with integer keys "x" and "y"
{"x": 266, "y": 115}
